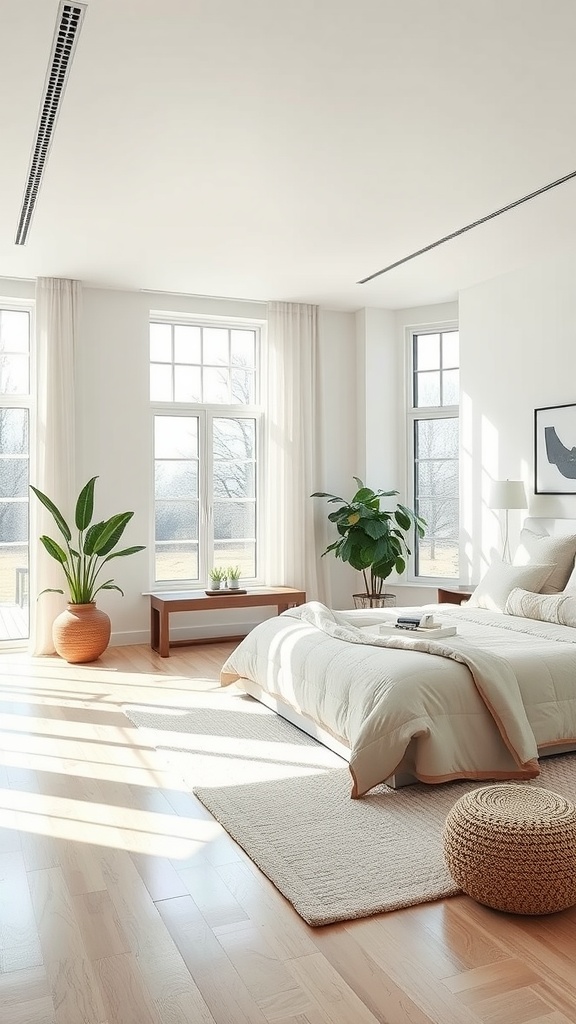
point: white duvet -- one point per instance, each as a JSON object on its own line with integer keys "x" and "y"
{"x": 475, "y": 705}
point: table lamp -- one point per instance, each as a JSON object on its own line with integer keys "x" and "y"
{"x": 507, "y": 494}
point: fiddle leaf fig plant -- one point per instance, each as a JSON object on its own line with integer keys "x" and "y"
{"x": 83, "y": 559}
{"x": 372, "y": 539}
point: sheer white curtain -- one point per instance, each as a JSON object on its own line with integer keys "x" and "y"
{"x": 57, "y": 314}
{"x": 294, "y": 531}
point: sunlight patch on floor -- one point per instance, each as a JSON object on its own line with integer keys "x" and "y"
{"x": 124, "y": 828}
{"x": 133, "y": 775}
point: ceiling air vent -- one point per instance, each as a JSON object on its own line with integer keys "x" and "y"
{"x": 68, "y": 26}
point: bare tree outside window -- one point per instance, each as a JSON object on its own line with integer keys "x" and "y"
{"x": 437, "y": 483}
{"x": 435, "y": 427}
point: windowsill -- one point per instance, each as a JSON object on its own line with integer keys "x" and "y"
{"x": 429, "y": 584}
{"x": 175, "y": 586}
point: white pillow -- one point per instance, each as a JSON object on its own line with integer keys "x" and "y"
{"x": 559, "y": 608}
{"x": 493, "y": 590}
{"x": 559, "y": 551}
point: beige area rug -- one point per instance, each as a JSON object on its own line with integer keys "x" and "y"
{"x": 286, "y": 800}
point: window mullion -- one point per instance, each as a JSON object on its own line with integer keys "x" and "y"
{"x": 206, "y": 537}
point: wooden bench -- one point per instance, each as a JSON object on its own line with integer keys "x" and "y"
{"x": 163, "y": 604}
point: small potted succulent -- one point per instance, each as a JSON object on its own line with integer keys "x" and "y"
{"x": 233, "y": 576}
{"x": 217, "y": 577}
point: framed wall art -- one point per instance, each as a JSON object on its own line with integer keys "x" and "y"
{"x": 555, "y": 450}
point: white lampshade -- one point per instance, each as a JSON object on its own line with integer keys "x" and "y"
{"x": 507, "y": 494}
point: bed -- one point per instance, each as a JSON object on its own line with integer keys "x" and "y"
{"x": 483, "y": 704}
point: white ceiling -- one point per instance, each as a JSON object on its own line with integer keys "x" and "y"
{"x": 284, "y": 149}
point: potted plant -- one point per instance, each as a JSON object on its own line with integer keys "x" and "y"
{"x": 82, "y": 632}
{"x": 372, "y": 539}
{"x": 217, "y": 577}
{"x": 233, "y": 576}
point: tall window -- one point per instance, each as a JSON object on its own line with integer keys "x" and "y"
{"x": 15, "y": 410}
{"x": 434, "y": 429}
{"x": 204, "y": 388}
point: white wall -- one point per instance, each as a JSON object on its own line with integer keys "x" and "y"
{"x": 17, "y": 289}
{"x": 517, "y": 353}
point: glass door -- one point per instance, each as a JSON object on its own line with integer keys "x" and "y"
{"x": 14, "y": 473}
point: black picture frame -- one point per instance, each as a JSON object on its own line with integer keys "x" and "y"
{"x": 555, "y": 449}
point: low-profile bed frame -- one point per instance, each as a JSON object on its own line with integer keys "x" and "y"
{"x": 403, "y": 775}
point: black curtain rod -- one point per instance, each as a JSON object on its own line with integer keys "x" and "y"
{"x": 474, "y": 224}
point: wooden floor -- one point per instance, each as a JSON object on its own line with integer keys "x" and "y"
{"x": 122, "y": 901}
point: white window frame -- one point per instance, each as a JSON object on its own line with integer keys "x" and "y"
{"x": 28, "y": 402}
{"x": 413, "y": 414}
{"x": 204, "y": 413}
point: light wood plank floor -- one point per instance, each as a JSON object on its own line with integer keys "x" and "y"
{"x": 123, "y": 902}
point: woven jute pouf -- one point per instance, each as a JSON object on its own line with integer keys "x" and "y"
{"x": 513, "y": 848}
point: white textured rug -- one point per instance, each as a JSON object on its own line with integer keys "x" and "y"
{"x": 286, "y": 800}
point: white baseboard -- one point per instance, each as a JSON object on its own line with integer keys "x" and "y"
{"x": 142, "y": 636}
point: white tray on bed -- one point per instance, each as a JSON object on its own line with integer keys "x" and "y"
{"x": 431, "y": 634}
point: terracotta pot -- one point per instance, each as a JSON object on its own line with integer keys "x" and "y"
{"x": 81, "y": 633}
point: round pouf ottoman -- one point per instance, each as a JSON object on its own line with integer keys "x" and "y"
{"x": 513, "y": 848}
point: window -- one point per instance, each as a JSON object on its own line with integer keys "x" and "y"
{"x": 15, "y": 413}
{"x": 434, "y": 445}
{"x": 204, "y": 391}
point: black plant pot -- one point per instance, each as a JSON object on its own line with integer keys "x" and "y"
{"x": 374, "y": 600}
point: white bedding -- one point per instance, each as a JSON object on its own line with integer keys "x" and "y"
{"x": 476, "y": 705}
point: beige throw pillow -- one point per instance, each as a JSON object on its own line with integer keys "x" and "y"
{"x": 495, "y": 586}
{"x": 558, "y": 551}
{"x": 560, "y": 608}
